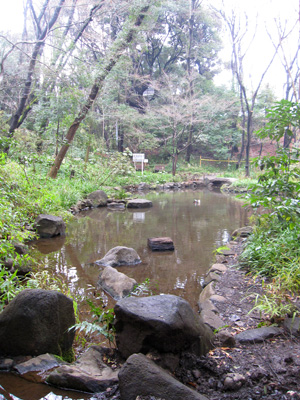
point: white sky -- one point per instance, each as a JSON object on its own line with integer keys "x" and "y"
{"x": 11, "y": 15}
{"x": 262, "y": 13}
{"x": 259, "y": 54}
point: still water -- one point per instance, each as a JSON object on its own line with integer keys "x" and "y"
{"x": 197, "y": 228}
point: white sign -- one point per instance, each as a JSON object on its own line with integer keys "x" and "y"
{"x": 138, "y": 157}
{"x": 149, "y": 91}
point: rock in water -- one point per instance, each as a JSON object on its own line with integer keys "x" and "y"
{"x": 139, "y": 203}
{"x": 115, "y": 283}
{"x": 98, "y": 198}
{"x": 119, "y": 255}
{"x": 48, "y": 226}
{"x": 161, "y": 244}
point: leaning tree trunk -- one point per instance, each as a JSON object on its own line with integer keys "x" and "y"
{"x": 119, "y": 46}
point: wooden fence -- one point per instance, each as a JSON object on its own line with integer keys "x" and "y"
{"x": 228, "y": 161}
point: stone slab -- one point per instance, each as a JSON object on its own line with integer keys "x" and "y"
{"x": 161, "y": 244}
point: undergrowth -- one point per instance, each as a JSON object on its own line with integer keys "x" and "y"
{"x": 273, "y": 251}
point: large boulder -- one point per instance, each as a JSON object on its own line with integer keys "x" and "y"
{"x": 117, "y": 284}
{"x": 165, "y": 323}
{"x": 98, "y": 198}
{"x": 48, "y": 226}
{"x": 139, "y": 203}
{"x": 35, "y": 322}
{"x": 119, "y": 255}
{"x": 139, "y": 376}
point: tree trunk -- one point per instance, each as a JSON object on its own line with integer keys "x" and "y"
{"x": 121, "y": 140}
{"x": 190, "y": 79}
{"x": 248, "y": 144}
{"x": 117, "y": 51}
{"x": 174, "y": 163}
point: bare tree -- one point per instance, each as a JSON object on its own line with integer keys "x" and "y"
{"x": 289, "y": 57}
{"x": 239, "y": 32}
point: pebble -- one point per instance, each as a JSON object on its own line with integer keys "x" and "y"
{"x": 233, "y": 381}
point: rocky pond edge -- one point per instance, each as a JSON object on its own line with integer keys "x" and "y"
{"x": 211, "y": 305}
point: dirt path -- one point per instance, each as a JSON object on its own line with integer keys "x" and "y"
{"x": 267, "y": 370}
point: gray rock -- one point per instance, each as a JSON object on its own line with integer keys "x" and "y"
{"x": 36, "y": 322}
{"x": 82, "y": 205}
{"x": 20, "y": 248}
{"x": 208, "y": 305}
{"x": 6, "y": 364}
{"x": 120, "y": 255}
{"x": 88, "y": 374}
{"x": 161, "y": 244}
{"x": 258, "y": 335}
{"x": 147, "y": 323}
{"x": 169, "y": 185}
{"x": 18, "y": 264}
{"x": 292, "y": 325}
{"x": 98, "y": 198}
{"x": 139, "y": 203}
{"x": 143, "y": 186}
{"x": 141, "y": 377}
{"x": 211, "y": 277}
{"x": 242, "y": 232}
{"x": 117, "y": 284}
{"x": 36, "y": 369}
{"x": 169, "y": 361}
{"x": 48, "y": 226}
{"x": 218, "y": 299}
{"x": 225, "y": 338}
{"x": 116, "y": 206}
{"x": 199, "y": 184}
{"x": 219, "y": 182}
{"x": 209, "y": 315}
{"x": 218, "y": 268}
{"x": 234, "y": 381}
{"x": 207, "y": 292}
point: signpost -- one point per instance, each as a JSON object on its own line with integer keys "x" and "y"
{"x": 139, "y": 157}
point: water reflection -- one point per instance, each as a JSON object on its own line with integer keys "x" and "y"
{"x": 196, "y": 229}
{"x": 198, "y": 222}
{"x": 15, "y": 388}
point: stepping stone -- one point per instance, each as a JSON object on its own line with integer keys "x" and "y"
{"x": 139, "y": 203}
{"x": 161, "y": 244}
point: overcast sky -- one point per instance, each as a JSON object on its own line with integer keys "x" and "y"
{"x": 259, "y": 54}
{"x": 262, "y": 15}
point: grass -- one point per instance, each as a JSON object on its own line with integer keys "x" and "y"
{"x": 273, "y": 252}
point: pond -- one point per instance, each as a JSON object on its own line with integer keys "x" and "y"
{"x": 196, "y": 227}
